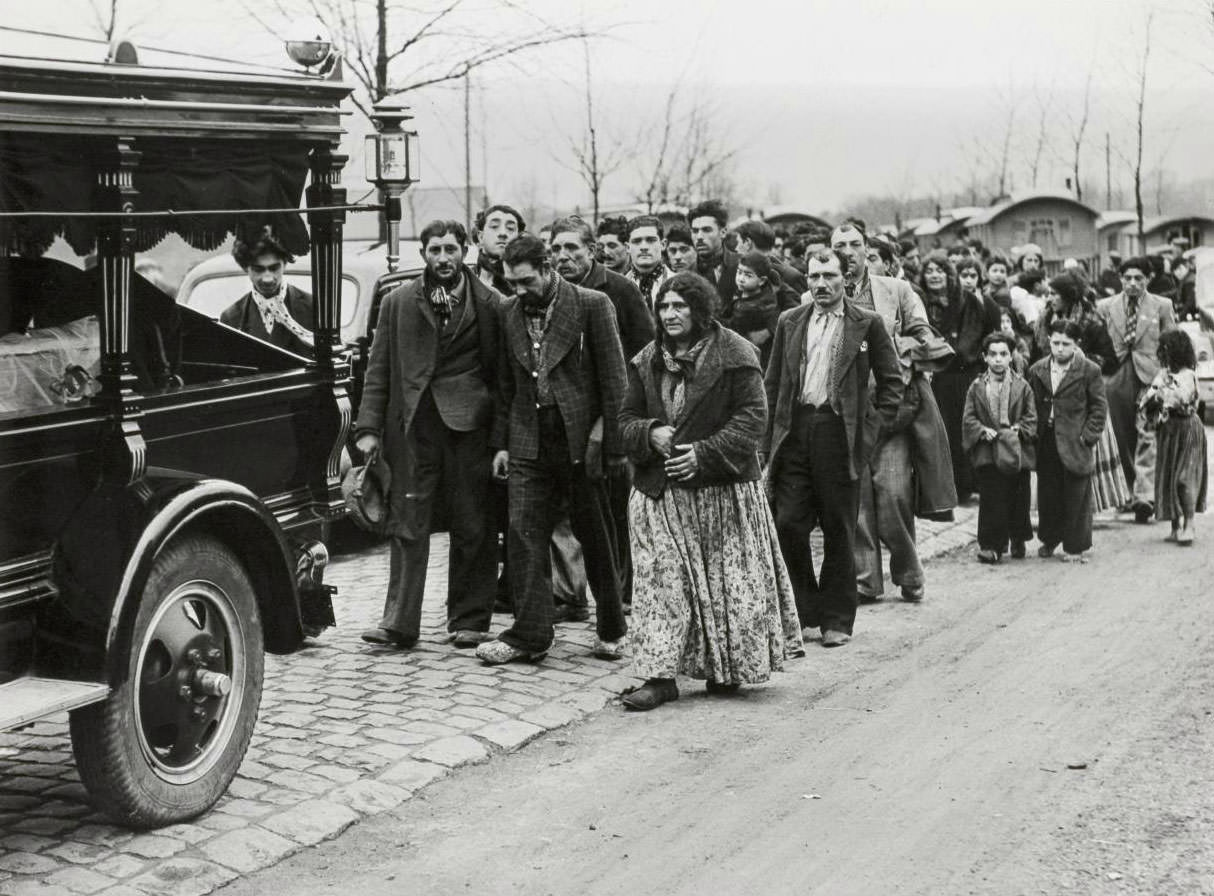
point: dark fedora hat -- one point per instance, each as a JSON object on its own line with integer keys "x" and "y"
{"x": 365, "y": 491}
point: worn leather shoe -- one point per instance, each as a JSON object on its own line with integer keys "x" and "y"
{"x": 608, "y": 650}
{"x": 385, "y": 637}
{"x": 497, "y": 652}
{"x": 831, "y": 638}
{"x": 1017, "y": 550}
{"x": 465, "y": 638}
{"x": 651, "y": 695}
{"x": 988, "y": 556}
{"x": 1143, "y": 513}
{"x": 1046, "y": 550}
{"x": 912, "y": 594}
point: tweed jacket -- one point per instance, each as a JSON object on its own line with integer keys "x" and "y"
{"x": 585, "y": 369}
{"x": 1080, "y": 409}
{"x": 724, "y": 415}
{"x": 244, "y": 316}
{"x": 631, "y": 312}
{"x": 978, "y": 413}
{"x": 865, "y": 348}
{"x": 1155, "y": 317}
{"x": 902, "y": 311}
{"x": 404, "y": 355}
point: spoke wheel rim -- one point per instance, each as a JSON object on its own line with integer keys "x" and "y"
{"x": 182, "y": 730}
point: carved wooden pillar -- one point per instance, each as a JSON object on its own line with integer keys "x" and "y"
{"x": 124, "y": 455}
{"x": 326, "y": 228}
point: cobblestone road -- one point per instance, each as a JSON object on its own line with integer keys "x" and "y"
{"x": 346, "y": 731}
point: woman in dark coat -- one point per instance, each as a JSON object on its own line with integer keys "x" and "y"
{"x": 963, "y": 318}
{"x": 711, "y": 595}
{"x": 1070, "y": 296}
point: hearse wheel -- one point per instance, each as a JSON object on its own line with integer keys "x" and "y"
{"x": 168, "y": 741}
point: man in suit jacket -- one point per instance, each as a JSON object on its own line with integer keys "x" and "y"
{"x": 1071, "y": 412}
{"x": 561, "y": 373}
{"x": 573, "y": 255}
{"x": 272, "y": 311}
{"x": 817, "y": 382}
{"x": 902, "y": 468}
{"x": 714, "y": 261}
{"x": 428, "y": 405}
{"x": 1135, "y": 319}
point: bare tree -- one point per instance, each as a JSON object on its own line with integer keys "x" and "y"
{"x": 1141, "y": 110}
{"x": 433, "y": 42}
{"x": 1079, "y": 126}
{"x": 1044, "y": 104}
{"x": 688, "y": 155}
{"x": 595, "y": 157}
{"x": 105, "y": 17}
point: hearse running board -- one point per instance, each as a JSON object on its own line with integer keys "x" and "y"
{"x": 26, "y": 700}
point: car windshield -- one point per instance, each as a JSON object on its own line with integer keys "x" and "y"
{"x": 212, "y": 295}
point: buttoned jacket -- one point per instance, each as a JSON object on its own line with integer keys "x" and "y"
{"x": 864, "y": 348}
{"x": 1155, "y": 317}
{"x": 404, "y": 358}
{"x": 632, "y": 315}
{"x": 584, "y": 364}
{"x": 1079, "y": 410}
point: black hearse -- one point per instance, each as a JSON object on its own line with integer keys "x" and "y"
{"x": 164, "y": 479}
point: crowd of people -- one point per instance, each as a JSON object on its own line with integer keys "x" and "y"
{"x": 664, "y": 412}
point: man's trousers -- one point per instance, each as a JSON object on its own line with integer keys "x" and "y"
{"x": 887, "y": 515}
{"x": 536, "y": 489}
{"x": 812, "y": 488}
{"x": 434, "y": 454}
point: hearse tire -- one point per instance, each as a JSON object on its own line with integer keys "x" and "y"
{"x": 165, "y": 745}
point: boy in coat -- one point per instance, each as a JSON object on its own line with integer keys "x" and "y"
{"x": 1071, "y": 412}
{"x": 1000, "y": 404}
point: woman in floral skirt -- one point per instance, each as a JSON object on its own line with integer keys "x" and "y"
{"x": 711, "y": 596}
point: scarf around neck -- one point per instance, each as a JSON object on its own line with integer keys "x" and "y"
{"x": 443, "y": 299}
{"x": 676, "y": 371}
{"x": 538, "y": 307}
{"x": 273, "y": 310}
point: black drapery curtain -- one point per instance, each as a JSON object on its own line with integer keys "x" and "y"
{"x": 59, "y": 174}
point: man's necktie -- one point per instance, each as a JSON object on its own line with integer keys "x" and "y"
{"x": 1131, "y": 320}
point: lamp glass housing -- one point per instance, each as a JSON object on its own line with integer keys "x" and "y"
{"x": 392, "y": 157}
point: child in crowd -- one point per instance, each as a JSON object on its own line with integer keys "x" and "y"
{"x": 755, "y": 308}
{"x": 1181, "y": 477}
{"x": 1071, "y": 411}
{"x": 998, "y": 426}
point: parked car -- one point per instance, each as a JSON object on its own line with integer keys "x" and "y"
{"x": 212, "y": 285}
{"x": 163, "y": 478}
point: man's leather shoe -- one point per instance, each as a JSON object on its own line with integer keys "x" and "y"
{"x": 1143, "y": 513}
{"x": 465, "y": 638}
{"x": 1017, "y": 550}
{"x": 1046, "y": 550}
{"x": 912, "y": 594}
{"x": 988, "y": 556}
{"x": 831, "y": 638}
{"x": 608, "y": 650}
{"x": 651, "y": 694}
{"x": 385, "y": 637}
{"x": 497, "y": 652}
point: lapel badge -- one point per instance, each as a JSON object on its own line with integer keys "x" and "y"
{"x": 864, "y": 346}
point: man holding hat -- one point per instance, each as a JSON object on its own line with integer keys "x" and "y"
{"x": 427, "y": 408}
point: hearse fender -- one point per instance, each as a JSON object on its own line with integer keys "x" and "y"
{"x": 103, "y": 557}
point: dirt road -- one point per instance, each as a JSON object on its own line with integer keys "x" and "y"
{"x": 1032, "y": 728}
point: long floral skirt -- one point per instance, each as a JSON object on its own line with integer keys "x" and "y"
{"x": 711, "y": 595}
{"x": 1181, "y": 475}
{"x": 1109, "y": 488}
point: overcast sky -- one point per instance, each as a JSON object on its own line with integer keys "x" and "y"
{"x": 823, "y": 100}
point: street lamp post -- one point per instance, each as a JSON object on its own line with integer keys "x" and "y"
{"x": 392, "y": 165}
